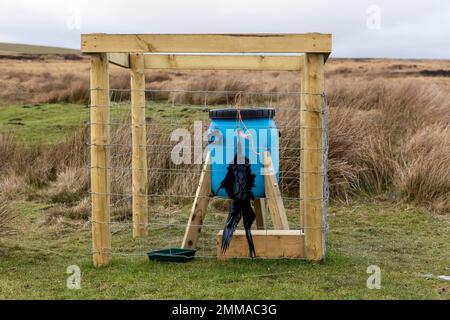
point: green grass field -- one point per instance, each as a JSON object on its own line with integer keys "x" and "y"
{"x": 50, "y": 123}
{"x": 41, "y": 123}
{"x": 410, "y": 245}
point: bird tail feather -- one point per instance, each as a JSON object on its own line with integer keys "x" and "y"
{"x": 249, "y": 217}
{"x": 233, "y": 219}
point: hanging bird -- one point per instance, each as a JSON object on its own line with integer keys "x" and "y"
{"x": 238, "y": 184}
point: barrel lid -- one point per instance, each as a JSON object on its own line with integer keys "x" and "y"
{"x": 253, "y": 113}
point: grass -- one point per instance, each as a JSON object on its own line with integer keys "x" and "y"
{"x": 50, "y": 123}
{"x": 387, "y": 141}
{"x": 42, "y": 123}
{"x": 408, "y": 244}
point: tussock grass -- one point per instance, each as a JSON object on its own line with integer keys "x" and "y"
{"x": 387, "y": 138}
{"x": 424, "y": 177}
{"x": 7, "y": 216}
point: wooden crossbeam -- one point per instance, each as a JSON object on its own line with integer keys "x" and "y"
{"x": 223, "y": 62}
{"x": 268, "y": 244}
{"x": 223, "y": 43}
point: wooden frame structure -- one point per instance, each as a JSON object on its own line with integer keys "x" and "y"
{"x": 138, "y": 52}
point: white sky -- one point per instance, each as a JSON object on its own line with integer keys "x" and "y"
{"x": 397, "y": 29}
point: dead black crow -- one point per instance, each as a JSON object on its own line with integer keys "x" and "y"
{"x": 238, "y": 184}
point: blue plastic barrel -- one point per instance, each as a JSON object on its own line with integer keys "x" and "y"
{"x": 255, "y": 131}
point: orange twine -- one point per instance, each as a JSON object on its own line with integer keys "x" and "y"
{"x": 247, "y": 135}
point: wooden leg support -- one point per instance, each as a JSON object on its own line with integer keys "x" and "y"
{"x": 261, "y": 213}
{"x": 273, "y": 195}
{"x": 199, "y": 208}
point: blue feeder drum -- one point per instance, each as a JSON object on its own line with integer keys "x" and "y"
{"x": 247, "y": 132}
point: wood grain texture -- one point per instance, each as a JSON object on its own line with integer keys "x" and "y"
{"x": 221, "y": 43}
{"x": 223, "y": 62}
{"x": 260, "y": 212}
{"x": 100, "y": 160}
{"x": 311, "y": 157}
{"x": 273, "y": 195}
{"x": 139, "y": 151}
{"x": 199, "y": 207}
{"x": 268, "y": 244}
{"x": 119, "y": 59}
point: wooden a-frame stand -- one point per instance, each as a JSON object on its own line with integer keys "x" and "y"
{"x": 280, "y": 242}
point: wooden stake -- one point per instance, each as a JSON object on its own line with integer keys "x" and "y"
{"x": 200, "y": 206}
{"x": 261, "y": 213}
{"x": 273, "y": 195}
{"x": 139, "y": 159}
{"x": 100, "y": 160}
{"x": 311, "y": 158}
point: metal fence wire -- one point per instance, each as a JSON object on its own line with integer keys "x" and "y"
{"x": 171, "y": 187}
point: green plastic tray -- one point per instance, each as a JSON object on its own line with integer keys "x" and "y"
{"x": 172, "y": 255}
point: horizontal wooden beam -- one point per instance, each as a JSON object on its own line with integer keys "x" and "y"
{"x": 220, "y": 43}
{"x": 119, "y": 59}
{"x": 268, "y": 244}
{"x": 223, "y": 62}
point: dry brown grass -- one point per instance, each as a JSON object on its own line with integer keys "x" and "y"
{"x": 346, "y": 133}
{"x": 26, "y": 161}
{"x": 396, "y": 151}
{"x": 7, "y": 217}
{"x": 424, "y": 177}
{"x": 62, "y": 78}
{"x": 388, "y": 130}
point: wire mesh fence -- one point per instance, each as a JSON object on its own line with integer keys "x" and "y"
{"x": 171, "y": 186}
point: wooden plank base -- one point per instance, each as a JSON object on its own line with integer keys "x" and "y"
{"x": 268, "y": 244}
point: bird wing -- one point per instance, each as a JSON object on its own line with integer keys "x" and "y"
{"x": 238, "y": 184}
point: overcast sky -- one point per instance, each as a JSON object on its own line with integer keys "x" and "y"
{"x": 360, "y": 28}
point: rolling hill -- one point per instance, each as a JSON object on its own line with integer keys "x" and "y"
{"x": 34, "y": 49}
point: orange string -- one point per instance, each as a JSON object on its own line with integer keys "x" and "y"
{"x": 237, "y": 103}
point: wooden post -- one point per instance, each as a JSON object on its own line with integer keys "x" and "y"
{"x": 139, "y": 158}
{"x": 100, "y": 160}
{"x": 311, "y": 158}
